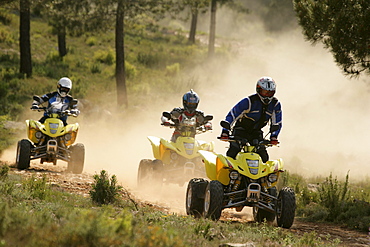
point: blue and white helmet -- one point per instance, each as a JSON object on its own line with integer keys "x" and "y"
{"x": 266, "y": 88}
{"x": 190, "y": 101}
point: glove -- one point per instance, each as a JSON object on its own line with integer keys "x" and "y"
{"x": 274, "y": 141}
{"x": 166, "y": 123}
{"x": 75, "y": 112}
{"x": 34, "y": 107}
{"x": 224, "y": 135}
{"x": 208, "y": 126}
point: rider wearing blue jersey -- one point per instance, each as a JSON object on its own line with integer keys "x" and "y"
{"x": 253, "y": 113}
{"x": 60, "y": 100}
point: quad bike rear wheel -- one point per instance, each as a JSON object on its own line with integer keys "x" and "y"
{"x": 214, "y": 195}
{"x": 260, "y": 215}
{"x": 195, "y": 197}
{"x": 77, "y": 158}
{"x": 286, "y": 206}
{"x": 23, "y": 154}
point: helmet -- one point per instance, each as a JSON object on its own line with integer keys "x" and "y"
{"x": 190, "y": 101}
{"x": 266, "y": 88}
{"x": 64, "y": 85}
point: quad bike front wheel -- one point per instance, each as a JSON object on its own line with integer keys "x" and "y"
{"x": 150, "y": 171}
{"x": 23, "y": 154}
{"x": 195, "y": 197}
{"x": 286, "y": 206}
{"x": 260, "y": 215}
{"x": 77, "y": 158}
{"x": 214, "y": 195}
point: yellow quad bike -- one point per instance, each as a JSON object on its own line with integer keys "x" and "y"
{"x": 243, "y": 181}
{"x": 175, "y": 162}
{"x": 50, "y": 141}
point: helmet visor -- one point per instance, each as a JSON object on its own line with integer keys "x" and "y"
{"x": 266, "y": 93}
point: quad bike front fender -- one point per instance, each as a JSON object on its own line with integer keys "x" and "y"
{"x": 216, "y": 166}
{"x": 207, "y": 146}
{"x": 156, "y": 143}
{"x": 32, "y": 127}
{"x": 275, "y": 165}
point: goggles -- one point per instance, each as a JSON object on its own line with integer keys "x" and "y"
{"x": 266, "y": 93}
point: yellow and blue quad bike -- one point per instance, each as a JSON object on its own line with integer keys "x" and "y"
{"x": 245, "y": 181}
{"x": 175, "y": 162}
{"x": 51, "y": 141}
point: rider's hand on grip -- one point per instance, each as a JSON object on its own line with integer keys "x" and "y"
{"x": 224, "y": 136}
{"x": 35, "y": 107}
{"x": 208, "y": 126}
{"x": 166, "y": 123}
{"x": 274, "y": 141}
{"x": 75, "y": 112}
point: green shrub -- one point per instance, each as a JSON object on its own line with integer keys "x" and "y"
{"x": 95, "y": 69}
{"x": 53, "y": 56}
{"x": 333, "y": 195}
{"x": 91, "y": 41}
{"x": 38, "y": 188}
{"x": 4, "y": 170}
{"x": 130, "y": 70}
{"x": 5, "y": 17}
{"x": 106, "y": 57}
{"x": 6, "y": 37}
{"x": 173, "y": 70}
{"x": 104, "y": 191}
{"x": 149, "y": 60}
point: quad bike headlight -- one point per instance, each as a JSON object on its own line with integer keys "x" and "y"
{"x": 38, "y": 134}
{"x": 253, "y": 166}
{"x": 272, "y": 178}
{"x": 67, "y": 137}
{"x": 234, "y": 175}
{"x": 173, "y": 156}
{"x": 188, "y": 145}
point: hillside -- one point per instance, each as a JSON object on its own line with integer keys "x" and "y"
{"x": 162, "y": 66}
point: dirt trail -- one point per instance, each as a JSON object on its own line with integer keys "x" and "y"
{"x": 81, "y": 184}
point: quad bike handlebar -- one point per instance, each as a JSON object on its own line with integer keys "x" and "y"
{"x": 49, "y": 111}
{"x": 198, "y": 129}
{"x": 245, "y": 142}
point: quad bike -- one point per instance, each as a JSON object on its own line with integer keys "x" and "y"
{"x": 240, "y": 182}
{"x": 50, "y": 141}
{"x": 175, "y": 162}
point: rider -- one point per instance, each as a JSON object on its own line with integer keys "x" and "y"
{"x": 190, "y": 101}
{"x": 252, "y": 114}
{"x": 59, "y": 99}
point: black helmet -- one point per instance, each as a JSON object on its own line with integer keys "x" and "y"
{"x": 190, "y": 101}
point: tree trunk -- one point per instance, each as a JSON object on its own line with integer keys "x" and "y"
{"x": 120, "y": 57}
{"x": 24, "y": 38}
{"x": 62, "y": 47}
{"x": 193, "y": 26}
{"x": 212, "y": 30}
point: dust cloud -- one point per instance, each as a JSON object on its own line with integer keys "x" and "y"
{"x": 324, "y": 115}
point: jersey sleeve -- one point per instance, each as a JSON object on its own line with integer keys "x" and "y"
{"x": 238, "y": 110}
{"x": 277, "y": 119}
{"x": 46, "y": 97}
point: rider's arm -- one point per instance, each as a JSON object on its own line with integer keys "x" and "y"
{"x": 277, "y": 119}
{"x": 46, "y": 97}
{"x": 176, "y": 112}
{"x": 238, "y": 110}
{"x": 73, "y": 107}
